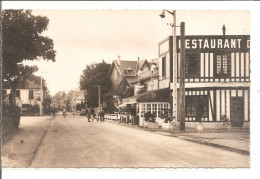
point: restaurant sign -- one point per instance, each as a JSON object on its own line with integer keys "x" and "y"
{"x": 216, "y": 42}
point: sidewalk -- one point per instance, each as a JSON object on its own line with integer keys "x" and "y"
{"x": 234, "y": 139}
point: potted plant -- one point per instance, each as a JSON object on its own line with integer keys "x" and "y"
{"x": 168, "y": 121}
{"x": 146, "y": 118}
{"x": 199, "y": 125}
{"x": 150, "y": 120}
{"x": 226, "y": 122}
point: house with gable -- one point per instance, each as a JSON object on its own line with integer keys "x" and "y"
{"x": 122, "y": 74}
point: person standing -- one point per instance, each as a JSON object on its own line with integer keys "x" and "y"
{"x": 89, "y": 114}
{"x": 53, "y": 112}
{"x": 102, "y": 114}
{"x": 64, "y": 112}
{"x": 92, "y": 114}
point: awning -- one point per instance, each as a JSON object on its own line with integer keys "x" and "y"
{"x": 129, "y": 100}
{"x": 161, "y": 95}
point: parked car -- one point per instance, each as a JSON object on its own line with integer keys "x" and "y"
{"x": 83, "y": 112}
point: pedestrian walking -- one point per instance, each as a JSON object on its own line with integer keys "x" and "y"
{"x": 64, "y": 112}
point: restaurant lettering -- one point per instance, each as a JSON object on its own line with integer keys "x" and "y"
{"x": 215, "y": 43}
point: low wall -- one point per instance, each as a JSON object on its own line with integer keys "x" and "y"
{"x": 213, "y": 125}
{"x": 111, "y": 116}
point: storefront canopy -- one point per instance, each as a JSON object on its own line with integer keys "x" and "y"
{"x": 162, "y": 95}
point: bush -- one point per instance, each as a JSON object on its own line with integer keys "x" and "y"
{"x": 168, "y": 119}
{"x": 224, "y": 118}
{"x": 149, "y": 117}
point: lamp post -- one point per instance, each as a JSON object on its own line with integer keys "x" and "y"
{"x": 178, "y": 110}
{"x": 174, "y": 93}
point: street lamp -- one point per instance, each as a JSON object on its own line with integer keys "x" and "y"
{"x": 178, "y": 111}
{"x": 174, "y": 50}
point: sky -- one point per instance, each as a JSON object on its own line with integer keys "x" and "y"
{"x": 84, "y": 37}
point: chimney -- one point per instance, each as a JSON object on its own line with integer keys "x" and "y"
{"x": 224, "y": 30}
{"x": 118, "y": 60}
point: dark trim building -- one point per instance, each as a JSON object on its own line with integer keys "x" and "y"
{"x": 217, "y": 77}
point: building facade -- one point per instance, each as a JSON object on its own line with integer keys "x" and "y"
{"x": 217, "y": 78}
{"x": 30, "y": 95}
{"x": 217, "y": 81}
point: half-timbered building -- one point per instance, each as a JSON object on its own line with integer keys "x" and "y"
{"x": 217, "y": 78}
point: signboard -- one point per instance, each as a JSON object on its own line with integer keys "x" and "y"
{"x": 235, "y": 42}
{"x": 37, "y": 95}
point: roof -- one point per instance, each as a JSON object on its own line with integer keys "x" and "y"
{"x": 129, "y": 91}
{"x": 128, "y": 68}
{"x": 161, "y": 95}
{"x": 33, "y": 83}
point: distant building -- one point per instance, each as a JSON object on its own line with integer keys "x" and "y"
{"x": 30, "y": 95}
{"x": 122, "y": 74}
{"x": 78, "y": 99}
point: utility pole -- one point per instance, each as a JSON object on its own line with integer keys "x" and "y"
{"x": 41, "y": 97}
{"x": 175, "y": 75}
{"x": 99, "y": 100}
{"x": 182, "y": 79}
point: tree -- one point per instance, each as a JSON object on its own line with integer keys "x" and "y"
{"x": 22, "y": 40}
{"x": 61, "y": 95}
{"x": 93, "y": 75}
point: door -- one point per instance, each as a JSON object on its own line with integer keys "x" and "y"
{"x": 237, "y": 111}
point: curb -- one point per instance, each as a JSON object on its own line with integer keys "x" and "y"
{"x": 239, "y": 151}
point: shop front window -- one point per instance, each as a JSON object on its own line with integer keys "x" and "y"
{"x": 148, "y": 107}
{"x": 159, "y": 110}
{"x": 154, "y": 109}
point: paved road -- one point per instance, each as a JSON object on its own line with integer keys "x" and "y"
{"x": 74, "y": 142}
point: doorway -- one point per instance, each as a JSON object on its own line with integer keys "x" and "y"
{"x": 237, "y": 111}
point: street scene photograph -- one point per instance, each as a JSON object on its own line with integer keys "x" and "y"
{"x": 158, "y": 88}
